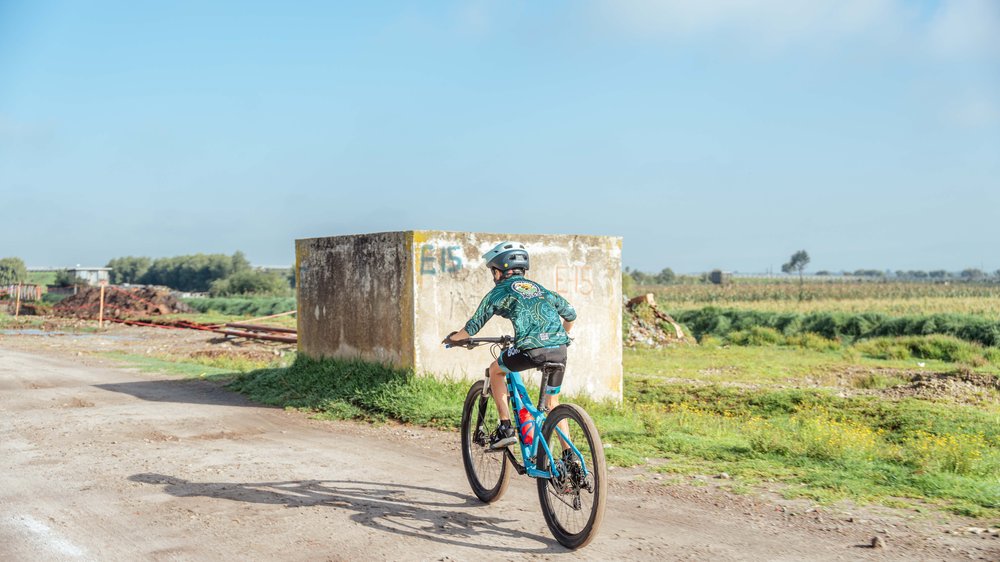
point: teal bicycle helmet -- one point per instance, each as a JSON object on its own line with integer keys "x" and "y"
{"x": 506, "y": 256}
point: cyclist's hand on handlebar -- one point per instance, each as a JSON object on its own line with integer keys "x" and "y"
{"x": 449, "y": 342}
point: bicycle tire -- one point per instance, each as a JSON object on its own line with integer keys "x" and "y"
{"x": 480, "y": 465}
{"x": 551, "y": 500}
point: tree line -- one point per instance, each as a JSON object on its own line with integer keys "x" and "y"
{"x": 216, "y": 274}
{"x": 668, "y": 277}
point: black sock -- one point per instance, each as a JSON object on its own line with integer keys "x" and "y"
{"x": 505, "y": 424}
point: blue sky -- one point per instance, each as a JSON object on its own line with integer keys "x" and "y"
{"x": 708, "y": 134}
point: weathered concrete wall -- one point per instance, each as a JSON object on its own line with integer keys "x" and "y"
{"x": 355, "y": 297}
{"x": 451, "y": 279}
{"x": 428, "y": 283}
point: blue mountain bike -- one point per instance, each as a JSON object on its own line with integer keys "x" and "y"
{"x": 561, "y": 449}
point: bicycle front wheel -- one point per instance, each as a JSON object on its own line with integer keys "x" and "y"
{"x": 488, "y": 471}
{"x": 573, "y": 502}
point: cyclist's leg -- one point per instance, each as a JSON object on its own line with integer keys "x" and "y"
{"x": 498, "y": 387}
{"x": 553, "y": 401}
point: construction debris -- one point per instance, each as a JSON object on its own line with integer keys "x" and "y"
{"x": 647, "y": 326}
{"x": 120, "y": 303}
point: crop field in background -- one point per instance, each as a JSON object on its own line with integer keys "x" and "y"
{"x": 894, "y": 298}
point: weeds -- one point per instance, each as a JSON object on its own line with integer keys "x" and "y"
{"x": 242, "y": 306}
{"x": 746, "y": 325}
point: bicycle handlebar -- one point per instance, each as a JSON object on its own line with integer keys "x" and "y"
{"x": 475, "y": 342}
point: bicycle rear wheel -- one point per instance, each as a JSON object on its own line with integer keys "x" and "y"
{"x": 573, "y": 503}
{"x": 488, "y": 471}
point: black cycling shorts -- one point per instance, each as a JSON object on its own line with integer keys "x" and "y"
{"x": 516, "y": 360}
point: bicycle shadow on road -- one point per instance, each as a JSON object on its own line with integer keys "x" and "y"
{"x": 388, "y": 507}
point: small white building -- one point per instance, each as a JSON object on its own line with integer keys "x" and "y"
{"x": 93, "y": 276}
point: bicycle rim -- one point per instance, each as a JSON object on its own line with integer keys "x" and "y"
{"x": 573, "y": 504}
{"x": 486, "y": 471}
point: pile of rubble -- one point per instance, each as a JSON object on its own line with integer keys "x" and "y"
{"x": 120, "y": 303}
{"x": 647, "y": 326}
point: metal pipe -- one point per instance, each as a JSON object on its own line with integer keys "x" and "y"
{"x": 260, "y": 328}
{"x": 258, "y": 336}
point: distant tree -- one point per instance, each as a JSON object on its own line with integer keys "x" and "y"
{"x": 628, "y": 283}
{"x": 251, "y": 283}
{"x": 641, "y": 277}
{"x": 939, "y": 274}
{"x": 194, "y": 272}
{"x": 972, "y": 274}
{"x": 665, "y": 276}
{"x": 823, "y": 273}
{"x": 868, "y": 273}
{"x": 240, "y": 262}
{"x": 797, "y": 262}
{"x": 997, "y": 274}
{"x": 128, "y": 269}
{"x": 12, "y": 270}
{"x": 66, "y": 279}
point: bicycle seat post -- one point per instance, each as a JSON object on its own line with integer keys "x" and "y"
{"x": 543, "y": 399}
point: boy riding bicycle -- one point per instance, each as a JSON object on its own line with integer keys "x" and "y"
{"x": 542, "y": 321}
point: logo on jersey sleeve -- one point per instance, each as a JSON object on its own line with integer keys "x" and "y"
{"x": 527, "y": 289}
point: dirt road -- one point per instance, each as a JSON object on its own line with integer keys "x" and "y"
{"x": 103, "y": 463}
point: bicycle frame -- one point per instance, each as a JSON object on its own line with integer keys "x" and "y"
{"x": 519, "y": 398}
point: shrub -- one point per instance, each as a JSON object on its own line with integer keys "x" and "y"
{"x": 237, "y": 306}
{"x": 933, "y": 347}
{"x": 815, "y": 342}
{"x": 841, "y": 326}
{"x": 757, "y": 335}
{"x": 250, "y": 283}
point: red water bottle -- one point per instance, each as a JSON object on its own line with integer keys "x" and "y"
{"x": 527, "y": 426}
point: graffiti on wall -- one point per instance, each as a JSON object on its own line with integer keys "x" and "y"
{"x": 574, "y": 280}
{"x": 435, "y": 260}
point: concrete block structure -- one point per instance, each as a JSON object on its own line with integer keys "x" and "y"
{"x": 391, "y": 297}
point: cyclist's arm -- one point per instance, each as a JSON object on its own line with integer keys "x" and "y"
{"x": 485, "y": 311}
{"x": 565, "y": 310}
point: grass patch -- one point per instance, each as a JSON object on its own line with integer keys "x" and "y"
{"x": 762, "y": 365}
{"x": 351, "y": 389}
{"x": 815, "y": 443}
{"x": 9, "y": 322}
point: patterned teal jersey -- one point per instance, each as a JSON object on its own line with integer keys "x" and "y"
{"x": 535, "y": 311}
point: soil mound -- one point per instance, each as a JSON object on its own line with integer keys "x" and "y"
{"x": 962, "y": 385}
{"x": 120, "y": 303}
{"x": 959, "y": 385}
{"x": 647, "y": 326}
